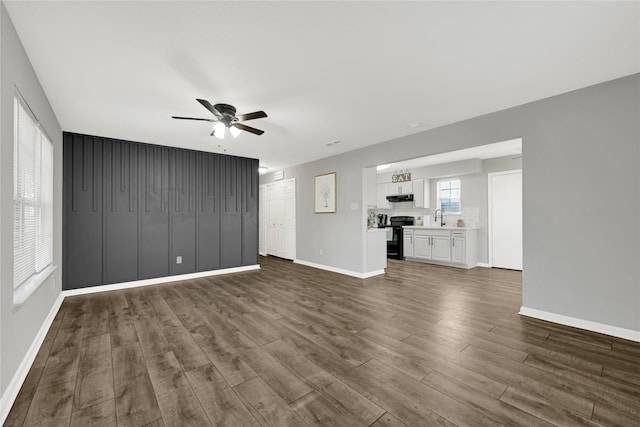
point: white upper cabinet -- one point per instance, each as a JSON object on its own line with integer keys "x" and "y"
{"x": 370, "y": 188}
{"x": 417, "y": 187}
{"x": 382, "y": 191}
{"x": 405, "y": 187}
{"x": 420, "y": 193}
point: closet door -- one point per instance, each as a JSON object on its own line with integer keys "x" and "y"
{"x": 287, "y": 215}
{"x": 271, "y": 212}
{"x": 280, "y": 209}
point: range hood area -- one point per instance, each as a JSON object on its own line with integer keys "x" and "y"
{"x": 400, "y": 198}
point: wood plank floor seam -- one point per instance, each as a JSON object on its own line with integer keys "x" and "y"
{"x": 289, "y": 345}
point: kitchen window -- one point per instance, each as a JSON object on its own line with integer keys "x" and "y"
{"x": 32, "y": 203}
{"x": 449, "y": 196}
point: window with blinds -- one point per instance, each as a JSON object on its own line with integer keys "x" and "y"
{"x": 32, "y": 202}
{"x": 449, "y": 196}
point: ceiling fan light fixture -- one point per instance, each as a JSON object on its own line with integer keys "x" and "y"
{"x": 234, "y": 131}
{"x": 225, "y": 117}
{"x": 218, "y": 130}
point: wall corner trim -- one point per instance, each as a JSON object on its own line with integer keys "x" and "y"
{"x": 614, "y": 331}
{"x": 11, "y": 393}
{"x": 157, "y": 280}
{"x": 339, "y": 270}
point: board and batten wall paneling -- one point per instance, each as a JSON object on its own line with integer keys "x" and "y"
{"x": 208, "y": 207}
{"x": 120, "y": 220}
{"x": 131, "y": 209}
{"x": 250, "y": 191}
{"x": 83, "y": 210}
{"x": 231, "y": 221}
{"x": 182, "y": 212}
{"x": 153, "y": 225}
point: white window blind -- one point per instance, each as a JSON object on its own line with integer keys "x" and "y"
{"x": 32, "y": 199}
{"x": 449, "y": 196}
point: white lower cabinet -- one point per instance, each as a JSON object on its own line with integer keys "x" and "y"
{"x": 407, "y": 243}
{"x": 450, "y": 247}
{"x": 441, "y": 248}
{"x": 458, "y": 251}
{"x": 422, "y": 247}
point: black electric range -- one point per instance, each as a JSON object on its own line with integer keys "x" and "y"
{"x": 395, "y": 240}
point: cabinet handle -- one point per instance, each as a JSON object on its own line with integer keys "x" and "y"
{"x": 453, "y": 243}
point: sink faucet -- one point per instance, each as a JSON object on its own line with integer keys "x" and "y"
{"x": 435, "y": 217}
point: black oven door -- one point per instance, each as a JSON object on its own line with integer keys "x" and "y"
{"x": 394, "y": 243}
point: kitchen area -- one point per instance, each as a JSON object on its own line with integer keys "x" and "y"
{"x": 436, "y": 209}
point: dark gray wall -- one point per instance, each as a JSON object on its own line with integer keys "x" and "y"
{"x": 130, "y": 209}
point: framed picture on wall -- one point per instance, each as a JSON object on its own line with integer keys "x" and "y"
{"x": 325, "y": 193}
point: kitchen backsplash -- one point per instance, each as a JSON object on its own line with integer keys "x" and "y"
{"x": 470, "y": 216}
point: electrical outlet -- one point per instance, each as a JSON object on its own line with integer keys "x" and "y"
{"x": 321, "y": 252}
{"x": 179, "y": 259}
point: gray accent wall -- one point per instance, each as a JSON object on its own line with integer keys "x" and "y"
{"x": 19, "y": 326}
{"x": 130, "y": 209}
{"x": 578, "y": 261}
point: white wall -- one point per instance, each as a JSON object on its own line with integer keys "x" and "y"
{"x": 574, "y": 265}
{"x": 20, "y": 325}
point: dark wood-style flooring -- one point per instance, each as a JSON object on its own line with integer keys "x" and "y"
{"x": 292, "y": 345}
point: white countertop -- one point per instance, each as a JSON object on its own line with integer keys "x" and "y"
{"x": 375, "y": 229}
{"x": 429, "y": 227}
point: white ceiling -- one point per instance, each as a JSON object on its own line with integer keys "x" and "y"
{"x": 512, "y": 147}
{"x": 355, "y": 72}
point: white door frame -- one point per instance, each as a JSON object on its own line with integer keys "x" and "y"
{"x": 263, "y": 216}
{"x": 490, "y": 175}
{"x": 262, "y": 221}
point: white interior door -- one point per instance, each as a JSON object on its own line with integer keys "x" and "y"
{"x": 505, "y": 219}
{"x": 288, "y": 219}
{"x": 280, "y": 212}
{"x": 271, "y": 214}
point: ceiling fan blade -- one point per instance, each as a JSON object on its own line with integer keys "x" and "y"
{"x": 193, "y": 118}
{"x": 206, "y": 104}
{"x": 248, "y": 128}
{"x": 251, "y": 116}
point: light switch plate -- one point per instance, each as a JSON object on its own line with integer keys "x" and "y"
{"x": 179, "y": 259}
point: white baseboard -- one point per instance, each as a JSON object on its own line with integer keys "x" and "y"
{"x": 483, "y": 264}
{"x": 372, "y": 273}
{"x": 10, "y": 394}
{"x": 155, "y": 281}
{"x": 339, "y": 270}
{"x": 614, "y": 331}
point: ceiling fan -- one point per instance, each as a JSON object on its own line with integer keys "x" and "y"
{"x": 226, "y": 118}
